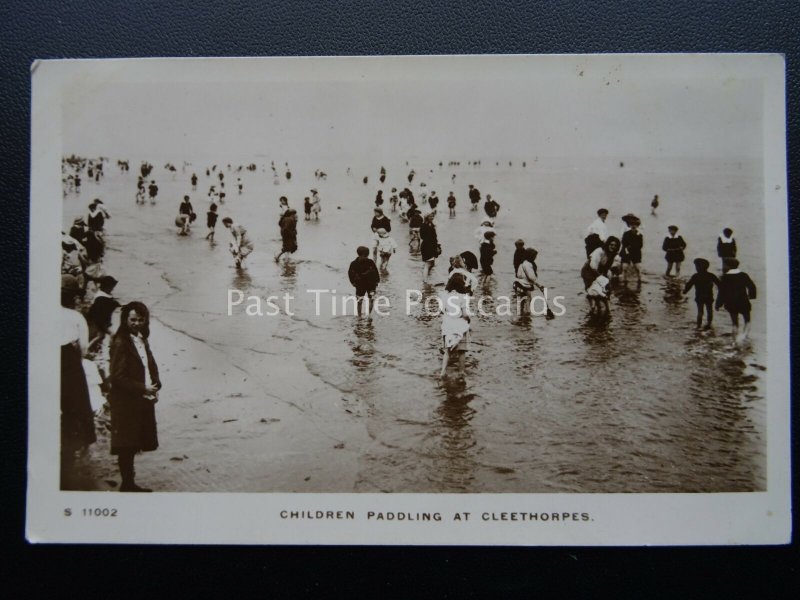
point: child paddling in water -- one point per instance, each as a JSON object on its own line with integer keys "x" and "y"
{"x": 736, "y": 289}
{"x": 241, "y": 246}
{"x": 364, "y": 276}
{"x": 673, "y": 248}
{"x": 703, "y": 283}
{"x": 385, "y": 246}
{"x": 211, "y": 221}
{"x": 455, "y": 321}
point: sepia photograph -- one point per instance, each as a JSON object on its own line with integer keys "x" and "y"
{"x": 551, "y": 290}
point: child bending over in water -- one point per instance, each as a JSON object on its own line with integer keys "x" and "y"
{"x": 703, "y": 283}
{"x": 455, "y": 321}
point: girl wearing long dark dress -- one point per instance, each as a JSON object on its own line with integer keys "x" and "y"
{"x": 631, "y": 253}
{"x": 134, "y": 392}
{"x": 429, "y": 245}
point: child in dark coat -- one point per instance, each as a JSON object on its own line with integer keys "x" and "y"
{"x": 363, "y": 274}
{"x": 487, "y": 253}
{"x": 736, "y": 289}
{"x": 703, "y": 283}
{"x": 673, "y": 248}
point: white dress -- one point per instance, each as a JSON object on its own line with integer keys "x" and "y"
{"x": 454, "y": 318}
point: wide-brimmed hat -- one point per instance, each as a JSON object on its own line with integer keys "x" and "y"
{"x": 630, "y": 219}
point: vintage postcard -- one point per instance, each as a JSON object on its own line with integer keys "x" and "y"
{"x": 474, "y": 300}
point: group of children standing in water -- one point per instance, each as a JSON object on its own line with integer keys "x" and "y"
{"x": 735, "y": 289}
{"x": 608, "y": 257}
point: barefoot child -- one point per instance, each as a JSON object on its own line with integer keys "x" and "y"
{"x": 364, "y": 276}
{"x": 385, "y": 246}
{"x": 673, "y": 248}
{"x": 455, "y": 321}
{"x": 241, "y": 246}
{"x": 211, "y": 221}
{"x": 597, "y": 294}
{"x": 736, "y": 289}
{"x": 703, "y": 283}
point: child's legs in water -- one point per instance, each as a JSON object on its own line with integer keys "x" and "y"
{"x": 746, "y": 319}
{"x": 709, "y": 313}
{"x": 700, "y": 306}
{"x": 735, "y": 322}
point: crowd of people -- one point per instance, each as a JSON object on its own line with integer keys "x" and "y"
{"x": 127, "y": 373}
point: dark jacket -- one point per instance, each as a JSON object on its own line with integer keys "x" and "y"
{"x": 381, "y": 223}
{"x": 363, "y": 274}
{"x": 99, "y": 314}
{"x": 724, "y": 249}
{"x": 735, "y": 292}
{"x": 133, "y": 419}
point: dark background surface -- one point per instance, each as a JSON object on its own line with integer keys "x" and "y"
{"x": 96, "y": 29}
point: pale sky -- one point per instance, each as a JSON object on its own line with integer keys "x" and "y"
{"x": 437, "y": 119}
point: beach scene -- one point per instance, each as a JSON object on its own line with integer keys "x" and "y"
{"x": 631, "y": 398}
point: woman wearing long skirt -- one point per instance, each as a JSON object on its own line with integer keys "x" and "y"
{"x": 134, "y": 392}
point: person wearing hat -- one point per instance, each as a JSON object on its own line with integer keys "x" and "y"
{"x": 429, "y": 244}
{"x": 288, "y": 225}
{"x": 380, "y": 221}
{"x": 451, "y": 204}
{"x": 364, "y": 275}
{"x": 77, "y": 418}
{"x": 78, "y": 230}
{"x": 97, "y": 215}
{"x": 103, "y": 306}
{"x": 631, "y": 253}
{"x": 597, "y": 232}
{"x": 736, "y": 289}
{"x": 487, "y": 252}
{"x": 703, "y": 283}
{"x": 316, "y": 206}
{"x": 673, "y": 248}
{"x": 385, "y": 246}
{"x": 474, "y": 196}
{"x": 185, "y": 214}
{"x": 491, "y": 207}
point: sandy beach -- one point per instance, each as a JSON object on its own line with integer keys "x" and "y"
{"x": 334, "y": 403}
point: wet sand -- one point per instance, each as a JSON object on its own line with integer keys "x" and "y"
{"x": 637, "y": 403}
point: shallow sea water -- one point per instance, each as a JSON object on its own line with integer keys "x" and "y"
{"x": 638, "y": 402}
